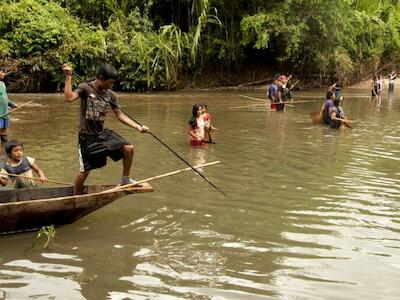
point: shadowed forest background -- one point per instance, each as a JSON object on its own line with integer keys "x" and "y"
{"x": 165, "y": 45}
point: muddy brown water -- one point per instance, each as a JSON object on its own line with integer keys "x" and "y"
{"x": 310, "y": 212}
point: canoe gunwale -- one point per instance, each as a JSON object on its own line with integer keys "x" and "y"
{"x": 29, "y": 215}
{"x": 145, "y": 188}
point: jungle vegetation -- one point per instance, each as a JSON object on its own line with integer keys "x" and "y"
{"x": 156, "y": 44}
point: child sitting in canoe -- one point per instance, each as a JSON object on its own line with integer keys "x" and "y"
{"x": 197, "y": 126}
{"x": 19, "y": 165}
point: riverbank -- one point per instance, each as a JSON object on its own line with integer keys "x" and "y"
{"x": 21, "y": 79}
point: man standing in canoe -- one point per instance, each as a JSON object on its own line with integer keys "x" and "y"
{"x": 95, "y": 141}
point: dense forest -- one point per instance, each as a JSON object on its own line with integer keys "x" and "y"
{"x": 167, "y": 44}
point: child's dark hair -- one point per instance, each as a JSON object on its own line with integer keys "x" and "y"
{"x": 106, "y": 71}
{"x": 11, "y": 145}
{"x": 2, "y": 69}
{"x": 195, "y": 109}
{"x": 193, "y": 122}
{"x": 336, "y": 102}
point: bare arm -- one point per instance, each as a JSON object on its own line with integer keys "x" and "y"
{"x": 193, "y": 134}
{"x": 3, "y": 180}
{"x": 123, "y": 118}
{"x": 69, "y": 95}
{"x": 12, "y": 104}
{"x": 334, "y": 117}
{"x": 39, "y": 172}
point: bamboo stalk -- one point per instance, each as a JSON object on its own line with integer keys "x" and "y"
{"x": 299, "y": 101}
{"x": 122, "y": 187}
{"x": 253, "y": 98}
{"x": 38, "y": 179}
{"x": 294, "y": 84}
{"x": 246, "y": 106}
{"x": 14, "y": 109}
{"x": 286, "y": 101}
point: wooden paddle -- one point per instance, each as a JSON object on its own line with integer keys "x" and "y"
{"x": 122, "y": 187}
{"x": 14, "y": 109}
{"x": 38, "y": 179}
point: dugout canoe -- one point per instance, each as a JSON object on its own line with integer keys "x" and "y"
{"x": 30, "y": 209}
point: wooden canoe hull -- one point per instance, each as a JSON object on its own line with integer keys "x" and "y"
{"x": 30, "y": 209}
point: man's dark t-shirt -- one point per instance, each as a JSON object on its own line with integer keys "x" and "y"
{"x": 94, "y": 106}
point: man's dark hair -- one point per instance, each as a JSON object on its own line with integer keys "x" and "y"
{"x": 2, "y": 69}
{"x": 106, "y": 71}
{"x": 10, "y": 145}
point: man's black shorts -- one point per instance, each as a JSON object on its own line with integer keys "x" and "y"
{"x": 93, "y": 150}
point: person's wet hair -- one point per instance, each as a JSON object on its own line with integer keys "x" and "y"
{"x": 196, "y": 108}
{"x": 106, "y": 71}
{"x": 193, "y": 122}
{"x": 336, "y": 102}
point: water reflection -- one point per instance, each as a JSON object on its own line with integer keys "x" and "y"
{"x": 310, "y": 211}
{"x": 22, "y": 279}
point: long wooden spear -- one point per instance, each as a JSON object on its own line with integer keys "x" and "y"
{"x": 152, "y": 134}
{"x": 14, "y": 109}
{"x": 38, "y": 179}
{"x": 126, "y": 186}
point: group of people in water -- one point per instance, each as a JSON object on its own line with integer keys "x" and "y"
{"x": 377, "y": 86}
{"x": 332, "y": 110}
{"x": 279, "y": 91}
{"x": 96, "y": 143}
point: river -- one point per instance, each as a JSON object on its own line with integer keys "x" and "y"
{"x": 309, "y": 212}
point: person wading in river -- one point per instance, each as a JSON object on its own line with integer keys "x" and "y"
{"x": 392, "y": 78}
{"x": 95, "y": 141}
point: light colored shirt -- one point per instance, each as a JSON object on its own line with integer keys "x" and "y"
{"x": 3, "y": 101}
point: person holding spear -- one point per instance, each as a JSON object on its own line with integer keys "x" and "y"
{"x": 19, "y": 167}
{"x": 5, "y": 103}
{"x": 96, "y": 143}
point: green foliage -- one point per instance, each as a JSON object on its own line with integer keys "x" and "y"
{"x": 325, "y": 37}
{"x": 314, "y": 37}
{"x": 47, "y": 232}
{"x": 146, "y": 59}
{"x": 31, "y": 28}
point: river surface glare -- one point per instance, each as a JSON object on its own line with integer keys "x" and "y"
{"x": 310, "y": 212}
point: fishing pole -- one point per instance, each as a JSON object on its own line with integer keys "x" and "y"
{"x": 19, "y": 106}
{"x": 152, "y": 134}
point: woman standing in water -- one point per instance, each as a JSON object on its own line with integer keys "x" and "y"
{"x": 197, "y": 126}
